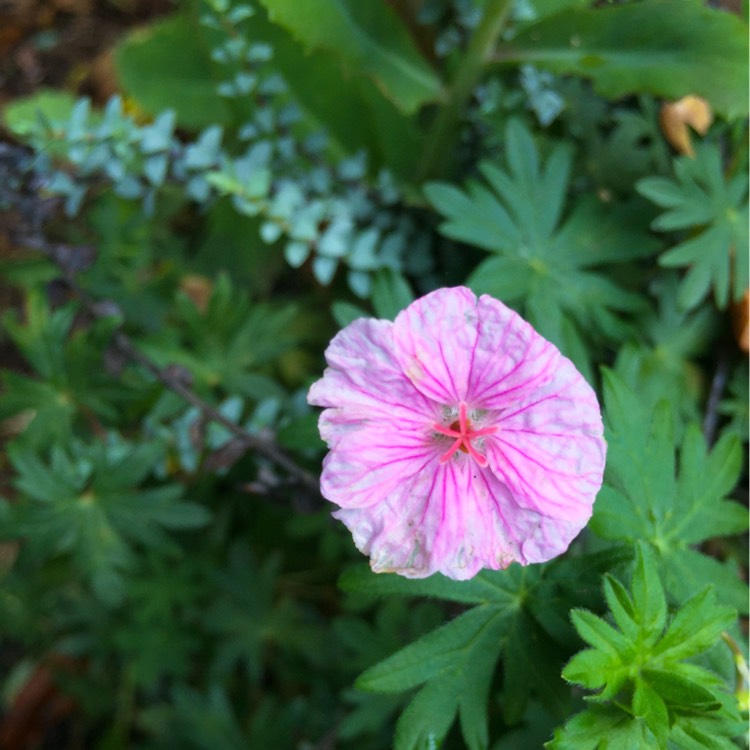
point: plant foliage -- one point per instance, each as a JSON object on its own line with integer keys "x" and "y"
{"x": 177, "y": 256}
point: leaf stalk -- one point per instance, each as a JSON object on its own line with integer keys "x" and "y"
{"x": 439, "y": 146}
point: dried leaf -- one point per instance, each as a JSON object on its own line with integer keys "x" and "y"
{"x": 677, "y": 118}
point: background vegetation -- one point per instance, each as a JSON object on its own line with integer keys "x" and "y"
{"x": 177, "y": 255}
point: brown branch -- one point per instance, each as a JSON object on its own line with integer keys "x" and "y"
{"x": 20, "y": 192}
{"x": 170, "y": 376}
{"x": 263, "y": 446}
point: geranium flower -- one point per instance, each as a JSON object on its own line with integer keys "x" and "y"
{"x": 459, "y": 438}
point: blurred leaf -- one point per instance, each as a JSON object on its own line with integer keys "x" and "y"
{"x": 391, "y": 293}
{"x": 369, "y": 38}
{"x": 21, "y": 116}
{"x": 167, "y": 64}
{"x": 663, "y": 366}
{"x": 351, "y": 109}
{"x": 714, "y": 208}
{"x": 86, "y": 501}
{"x": 638, "y": 48}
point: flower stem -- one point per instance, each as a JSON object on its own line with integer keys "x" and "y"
{"x": 439, "y": 147}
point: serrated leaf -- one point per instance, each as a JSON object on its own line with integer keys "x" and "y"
{"x": 621, "y": 605}
{"x": 546, "y": 267}
{"x": 426, "y": 720}
{"x": 680, "y": 691}
{"x": 648, "y": 705}
{"x": 369, "y": 38}
{"x": 649, "y": 604}
{"x": 599, "y": 634}
{"x": 603, "y": 728}
{"x": 647, "y": 499}
{"x": 609, "y": 45}
{"x": 443, "y": 649}
{"x": 696, "y": 626}
{"x": 716, "y": 251}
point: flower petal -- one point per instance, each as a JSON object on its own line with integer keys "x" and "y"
{"x": 434, "y": 338}
{"x": 549, "y": 450}
{"x": 510, "y": 359}
{"x": 375, "y": 464}
{"x": 447, "y": 519}
{"x": 364, "y": 383}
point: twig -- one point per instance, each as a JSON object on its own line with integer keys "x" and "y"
{"x": 20, "y": 191}
{"x": 718, "y": 384}
{"x": 67, "y": 259}
{"x": 167, "y": 376}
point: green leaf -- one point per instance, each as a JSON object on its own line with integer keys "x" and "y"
{"x": 649, "y": 604}
{"x": 369, "y": 38}
{"x": 648, "y": 705}
{"x": 714, "y": 207}
{"x": 638, "y": 48}
{"x": 443, "y": 649}
{"x": 391, "y": 293}
{"x": 86, "y": 502}
{"x": 21, "y": 116}
{"x": 483, "y": 588}
{"x": 551, "y": 268}
{"x": 426, "y": 720}
{"x": 622, "y": 607}
{"x": 603, "y": 728}
{"x": 598, "y": 633}
{"x": 679, "y": 691}
{"x": 641, "y": 669}
{"x": 647, "y": 498}
{"x": 696, "y": 626}
{"x": 167, "y": 65}
{"x": 352, "y": 110}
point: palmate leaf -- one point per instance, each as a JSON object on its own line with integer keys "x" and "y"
{"x": 68, "y": 363}
{"x": 546, "y": 266}
{"x": 228, "y": 342}
{"x": 515, "y": 615}
{"x": 646, "y": 498}
{"x": 668, "y": 48}
{"x": 714, "y": 208}
{"x": 639, "y": 666}
{"x": 86, "y": 502}
{"x": 661, "y": 366}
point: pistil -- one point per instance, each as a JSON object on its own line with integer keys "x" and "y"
{"x": 463, "y": 433}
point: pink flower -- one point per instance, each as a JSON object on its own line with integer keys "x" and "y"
{"x": 459, "y": 438}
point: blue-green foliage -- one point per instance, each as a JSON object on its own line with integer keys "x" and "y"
{"x": 186, "y": 252}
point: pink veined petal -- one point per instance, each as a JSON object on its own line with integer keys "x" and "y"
{"x": 433, "y": 341}
{"x": 510, "y": 359}
{"x": 441, "y": 520}
{"x": 374, "y": 464}
{"x": 549, "y": 449}
{"x": 364, "y": 383}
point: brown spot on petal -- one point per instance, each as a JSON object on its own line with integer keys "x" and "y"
{"x": 677, "y": 118}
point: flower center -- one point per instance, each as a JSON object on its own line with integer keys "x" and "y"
{"x": 463, "y": 433}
